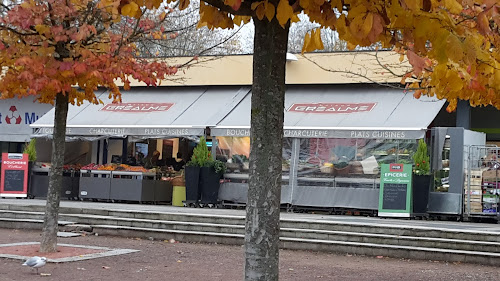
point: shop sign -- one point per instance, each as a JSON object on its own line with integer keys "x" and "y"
{"x": 305, "y": 133}
{"x": 395, "y": 196}
{"x": 331, "y": 107}
{"x": 316, "y": 133}
{"x": 14, "y": 174}
{"x": 125, "y": 131}
{"x": 16, "y": 115}
{"x": 137, "y": 107}
{"x": 378, "y": 134}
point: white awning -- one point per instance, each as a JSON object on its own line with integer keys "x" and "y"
{"x": 149, "y": 112}
{"x": 343, "y": 112}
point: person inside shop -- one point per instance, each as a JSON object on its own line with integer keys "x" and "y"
{"x": 152, "y": 161}
{"x": 178, "y": 165}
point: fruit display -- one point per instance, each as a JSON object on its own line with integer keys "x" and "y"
{"x": 72, "y": 167}
{"x": 115, "y": 167}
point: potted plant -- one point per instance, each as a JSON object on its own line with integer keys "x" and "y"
{"x": 30, "y": 149}
{"x": 421, "y": 178}
{"x": 200, "y": 158}
{"x": 210, "y": 176}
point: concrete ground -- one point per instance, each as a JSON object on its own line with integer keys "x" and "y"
{"x": 163, "y": 260}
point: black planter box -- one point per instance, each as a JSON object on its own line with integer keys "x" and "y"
{"x": 140, "y": 190}
{"x": 95, "y": 184}
{"x": 209, "y": 185}
{"x": 421, "y": 189}
{"x": 163, "y": 191}
{"x": 192, "y": 183}
{"x": 39, "y": 184}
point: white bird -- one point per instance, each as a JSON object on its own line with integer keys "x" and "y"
{"x": 36, "y": 262}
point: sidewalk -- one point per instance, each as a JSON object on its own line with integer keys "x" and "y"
{"x": 162, "y": 260}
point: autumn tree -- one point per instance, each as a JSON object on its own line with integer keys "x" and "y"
{"x": 186, "y": 39}
{"x": 61, "y": 52}
{"x": 329, "y": 37}
{"x": 452, "y": 46}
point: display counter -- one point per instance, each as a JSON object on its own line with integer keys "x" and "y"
{"x": 125, "y": 186}
{"x": 325, "y": 192}
{"x": 39, "y": 183}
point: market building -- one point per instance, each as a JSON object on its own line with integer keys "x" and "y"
{"x": 344, "y": 117}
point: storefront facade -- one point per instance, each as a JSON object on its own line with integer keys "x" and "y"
{"x": 337, "y": 130}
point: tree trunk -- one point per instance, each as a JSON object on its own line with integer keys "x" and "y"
{"x": 264, "y": 191}
{"x": 50, "y": 225}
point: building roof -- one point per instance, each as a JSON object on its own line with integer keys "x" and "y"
{"x": 312, "y": 68}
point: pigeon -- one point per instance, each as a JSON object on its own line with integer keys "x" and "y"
{"x": 36, "y": 262}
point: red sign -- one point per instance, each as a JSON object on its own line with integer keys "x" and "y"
{"x": 332, "y": 107}
{"x": 137, "y": 107}
{"x": 14, "y": 182}
{"x": 396, "y": 167}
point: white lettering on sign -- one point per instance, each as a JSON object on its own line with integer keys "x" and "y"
{"x": 137, "y": 107}
{"x": 166, "y": 132}
{"x": 238, "y": 132}
{"x": 107, "y": 131}
{"x": 306, "y": 133}
{"x": 396, "y": 175}
{"x": 378, "y": 134}
{"x": 7, "y": 162}
{"x": 331, "y": 107}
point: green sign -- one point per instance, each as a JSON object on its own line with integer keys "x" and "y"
{"x": 395, "y": 197}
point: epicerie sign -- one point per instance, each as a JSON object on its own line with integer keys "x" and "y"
{"x": 331, "y": 107}
{"x": 137, "y": 107}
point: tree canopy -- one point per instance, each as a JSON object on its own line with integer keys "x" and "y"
{"x": 451, "y": 44}
{"x": 73, "y": 47}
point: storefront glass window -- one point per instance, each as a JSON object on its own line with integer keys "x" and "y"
{"x": 335, "y": 162}
{"x": 235, "y": 151}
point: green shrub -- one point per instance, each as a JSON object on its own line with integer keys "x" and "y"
{"x": 30, "y": 149}
{"x": 201, "y": 155}
{"x": 421, "y": 159}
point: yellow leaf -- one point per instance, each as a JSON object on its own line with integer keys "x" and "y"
{"x": 453, "y": 6}
{"x": 454, "y": 49}
{"x": 295, "y": 18}
{"x": 284, "y": 12}
{"x": 260, "y": 12}
{"x": 313, "y": 41}
{"x": 305, "y": 3}
{"x": 255, "y": 4}
{"x": 162, "y": 16}
{"x": 229, "y": 2}
{"x": 316, "y": 40}
{"x": 240, "y": 20}
{"x": 130, "y": 9}
{"x": 401, "y": 57}
{"x": 367, "y": 24}
{"x": 42, "y": 29}
{"x": 183, "y": 4}
{"x": 270, "y": 10}
{"x": 307, "y": 40}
